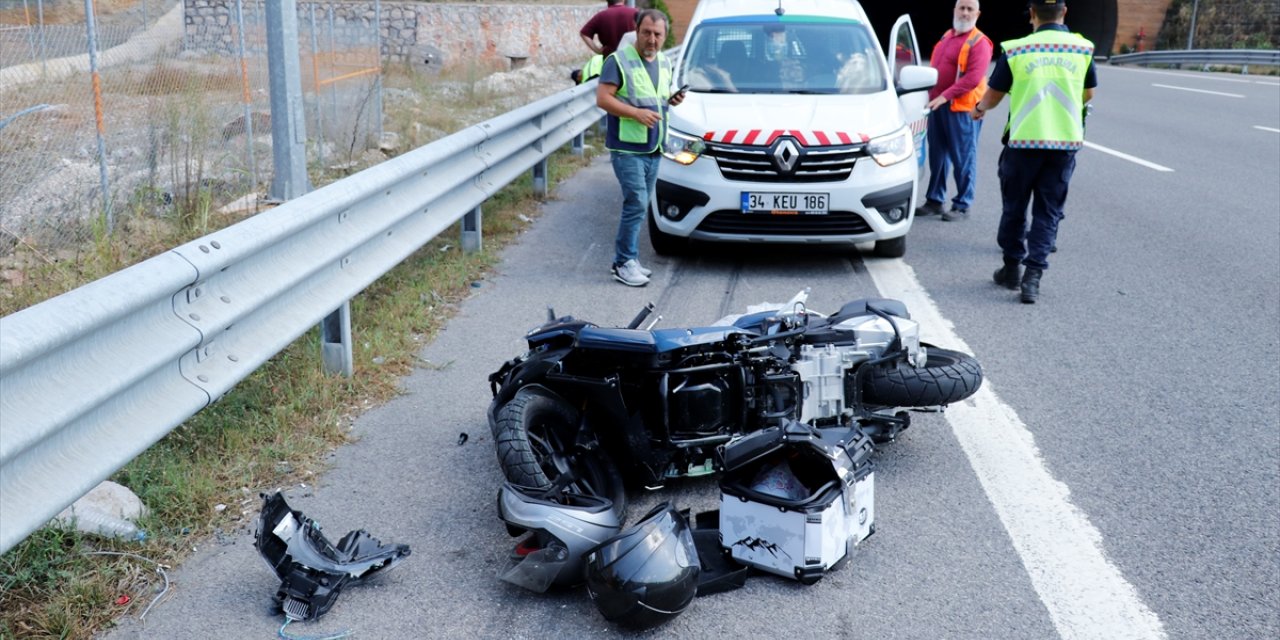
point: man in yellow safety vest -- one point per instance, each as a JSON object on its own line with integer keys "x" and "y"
{"x": 635, "y": 91}
{"x": 1049, "y": 78}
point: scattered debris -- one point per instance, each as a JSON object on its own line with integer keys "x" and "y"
{"x": 462, "y": 438}
{"x": 159, "y": 569}
{"x": 311, "y": 569}
{"x": 108, "y": 510}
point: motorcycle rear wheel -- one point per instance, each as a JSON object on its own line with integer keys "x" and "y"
{"x": 534, "y": 435}
{"x": 947, "y": 376}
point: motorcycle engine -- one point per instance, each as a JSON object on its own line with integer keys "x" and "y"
{"x": 823, "y": 367}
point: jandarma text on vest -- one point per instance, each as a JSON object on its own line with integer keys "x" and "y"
{"x": 1065, "y": 63}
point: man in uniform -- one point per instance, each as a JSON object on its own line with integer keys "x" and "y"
{"x": 634, "y": 91}
{"x": 1049, "y": 78}
{"x": 961, "y": 58}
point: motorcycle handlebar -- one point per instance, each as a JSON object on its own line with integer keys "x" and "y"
{"x": 644, "y": 313}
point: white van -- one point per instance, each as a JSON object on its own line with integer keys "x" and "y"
{"x": 797, "y": 127}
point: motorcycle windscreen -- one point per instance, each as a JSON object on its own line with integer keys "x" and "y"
{"x": 537, "y": 570}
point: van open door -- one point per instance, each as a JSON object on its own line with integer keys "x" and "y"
{"x": 911, "y": 80}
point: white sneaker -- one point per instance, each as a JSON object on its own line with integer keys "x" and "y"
{"x": 630, "y": 274}
{"x": 645, "y": 271}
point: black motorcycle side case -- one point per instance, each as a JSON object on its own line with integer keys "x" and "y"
{"x": 796, "y": 500}
{"x": 720, "y": 572}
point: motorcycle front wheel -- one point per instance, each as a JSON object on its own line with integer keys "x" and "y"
{"x": 535, "y": 438}
{"x": 947, "y": 376}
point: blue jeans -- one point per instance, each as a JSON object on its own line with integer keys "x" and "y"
{"x": 1023, "y": 173}
{"x": 638, "y": 175}
{"x": 953, "y": 144}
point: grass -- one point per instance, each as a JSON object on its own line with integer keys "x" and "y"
{"x": 272, "y": 429}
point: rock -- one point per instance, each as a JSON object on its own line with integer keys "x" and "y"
{"x": 110, "y": 498}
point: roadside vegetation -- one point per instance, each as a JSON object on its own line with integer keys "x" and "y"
{"x": 201, "y": 482}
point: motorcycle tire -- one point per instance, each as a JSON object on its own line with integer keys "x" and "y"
{"x": 534, "y": 438}
{"x": 947, "y": 376}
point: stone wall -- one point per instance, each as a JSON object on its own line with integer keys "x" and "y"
{"x": 412, "y": 32}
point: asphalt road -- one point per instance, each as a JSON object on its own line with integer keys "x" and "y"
{"x": 1146, "y": 376}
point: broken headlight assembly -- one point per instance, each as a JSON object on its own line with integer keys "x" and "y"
{"x": 311, "y": 569}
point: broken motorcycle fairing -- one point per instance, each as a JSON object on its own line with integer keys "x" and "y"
{"x": 311, "y": 569}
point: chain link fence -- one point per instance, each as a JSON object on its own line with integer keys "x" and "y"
{"x": 1221, "y": 24}
{"x": 158, "y": 112}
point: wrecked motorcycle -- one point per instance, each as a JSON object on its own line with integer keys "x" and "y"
{"x": 587, "y": 406}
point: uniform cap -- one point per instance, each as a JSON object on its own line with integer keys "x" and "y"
{"x": 1048, "y": 3}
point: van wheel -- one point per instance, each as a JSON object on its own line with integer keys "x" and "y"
{"x": 664, "y": 244}
{"x": 892, "y": 248}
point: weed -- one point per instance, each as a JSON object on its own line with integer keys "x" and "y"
{"x": 271, "y": 429}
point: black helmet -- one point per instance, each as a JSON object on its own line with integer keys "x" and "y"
{"x": 564, "y": 525}
{"x": 647, "y": 574}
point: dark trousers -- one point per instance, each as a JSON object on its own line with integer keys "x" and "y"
{"x": 1023, "y": 173}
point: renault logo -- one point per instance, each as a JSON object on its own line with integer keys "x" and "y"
{"x": 786, "y": 154}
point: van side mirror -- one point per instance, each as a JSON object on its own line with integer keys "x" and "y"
{"x": 916, "y": 77}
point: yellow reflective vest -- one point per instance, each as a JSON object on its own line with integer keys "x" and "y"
{"x": 1046, "y": 109}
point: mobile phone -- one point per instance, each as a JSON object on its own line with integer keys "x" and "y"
{"x": 682, "y": 89}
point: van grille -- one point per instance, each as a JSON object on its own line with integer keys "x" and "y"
{"x": 835, "y": 223}
{"x": 749, "y": 163}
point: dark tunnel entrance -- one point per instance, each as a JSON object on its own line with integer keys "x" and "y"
{"x": 1000, "y": 19}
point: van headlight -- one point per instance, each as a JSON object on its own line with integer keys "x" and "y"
{"x": 891, "y": 149}
{"x": 683, "y": 148}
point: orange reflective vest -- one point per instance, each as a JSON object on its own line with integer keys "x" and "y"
{"x": 967, "y": 101}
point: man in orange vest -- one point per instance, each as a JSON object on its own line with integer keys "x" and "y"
{"x": 961, "y": 58}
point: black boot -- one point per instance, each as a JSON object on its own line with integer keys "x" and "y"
{"x": 1008, "y": 275}
{"x": 1031, "y": 285}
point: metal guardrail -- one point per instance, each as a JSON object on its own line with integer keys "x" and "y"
{"x": 92, "y": 378}
{"x": 1234, "y": 57}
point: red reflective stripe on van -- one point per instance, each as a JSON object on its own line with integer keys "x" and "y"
{"x": 751, "y": 136}
{"x": 822, "y": 138}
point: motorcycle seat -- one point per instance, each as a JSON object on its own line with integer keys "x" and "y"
{"x": 634, "y": 340}
{"x": 641, "y": 341}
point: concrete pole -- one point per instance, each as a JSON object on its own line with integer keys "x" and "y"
{"x": 1191, "y": 35}
{"x": 288, "y": 124}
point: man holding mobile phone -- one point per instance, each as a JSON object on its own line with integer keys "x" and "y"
{"x": 635, "y": 91}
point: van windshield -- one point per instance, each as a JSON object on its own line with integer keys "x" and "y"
{"x": 767, "y": 55}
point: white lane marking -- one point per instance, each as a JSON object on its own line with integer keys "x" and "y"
{"x": 1267, "y": 84}
{"x": 1086, "y": 595}
{"x": 1271, "y": 129}
{"x": 1125, "y": 156}
{"x": 1186, "y": 75}
{"x": 1216, "y": 93}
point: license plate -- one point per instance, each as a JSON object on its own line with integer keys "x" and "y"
{"x": 781, "y": 204}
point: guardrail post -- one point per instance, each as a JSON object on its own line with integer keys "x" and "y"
{"x": 471, "y": 230}
{"x": 540, "y": 178}
{"x": 335, "y": 341}
{"x": 579, "y": 143}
